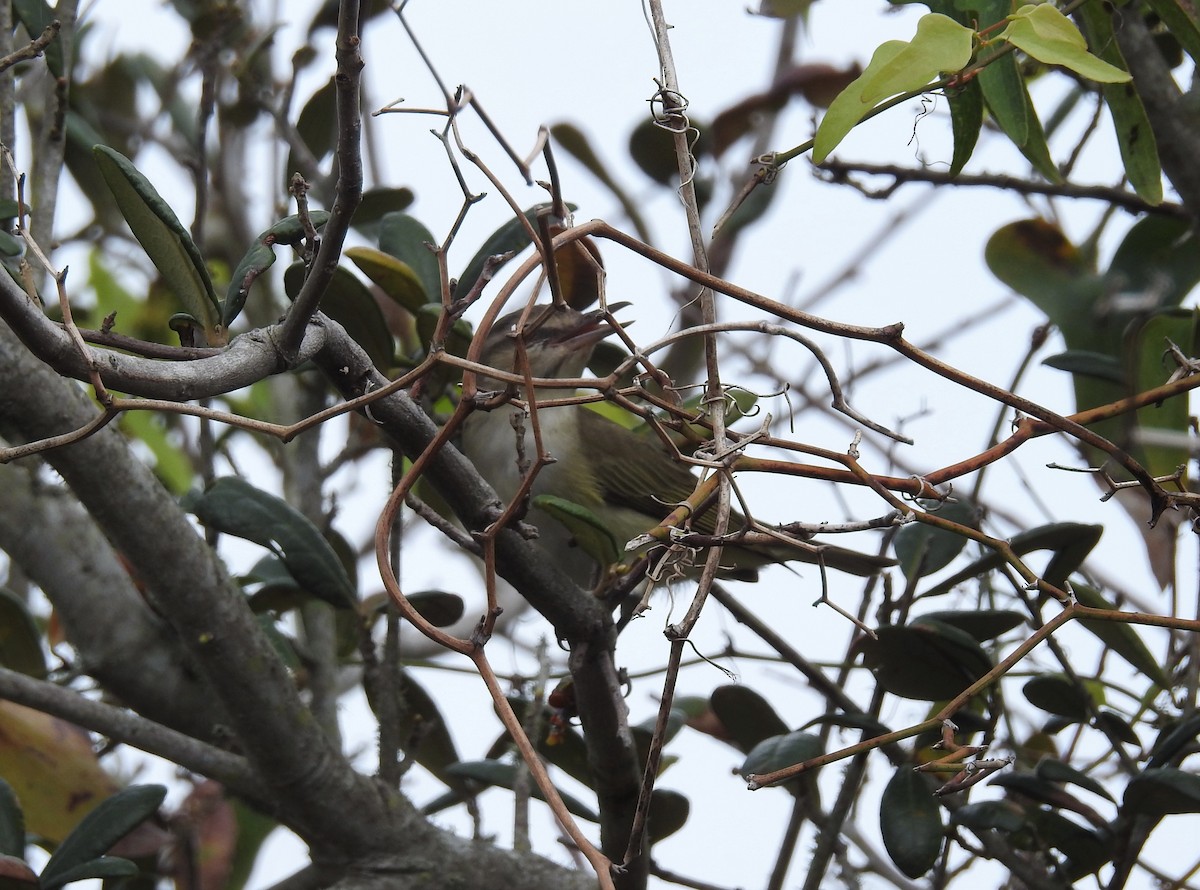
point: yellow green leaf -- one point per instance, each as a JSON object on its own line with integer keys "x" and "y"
{"x": 163, "y": 237}
{"x": 1047, "y": 35}
{"x": 940, "y": 44}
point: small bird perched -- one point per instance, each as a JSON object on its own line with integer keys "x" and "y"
{"x": 626, "y": 481}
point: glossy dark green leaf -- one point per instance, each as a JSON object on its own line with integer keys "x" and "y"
{"x": 966, "y": 120}
{"x": 291, "y": 230}
{"x": 924, "y": 549}
{"x": 379, "y": 202}
{"x": 12, "y": 822}
{"x": 910, "y": 820}
{"x": 1054, "y": 770}
{"x": 105, "y": 867}
{"x": 1118, "y": 727}
{"x": 317, "y": 125}
{"x": 260, "y": 257}
{"x": 1121, "y": 637}
{"x": 1004, "y": 93}
{"x": 348, "y": 302}
{"x": 576, "y": 143}
{"x": 781, "y": 751}
{"x": 668, "y": 813}
{"x": 1056, "y": 694}
{"x": 1181, "y": 24}
{"x": 928, "y": 661}
{"x": 653, "y": 150}
{"x": 1163, "y": 791}
{"x": 1159, "y": 256}
{"x": 503, "y": 775}
{"x": 234, "y": 506}
{"x": 406, "y": 238}
{"x": 1073, "y": 543}
{"x": 1135, "y": 138}
{"x": 110, "y": 821}
{"x": 1085, "y": 850}
{"x": 748, "y": 717}
{"x": 424, "y": 735}
{"x": 1080, "y": 362}
{"x": 510, "y": 238}
{"x": 20, "y": 639}
{"x": 868, "y": 724}
{"x": 166, "y": 242}
{"x": 439, "y": 608}
{"x": 1070, "y": 538}
{"x": 1174, "y": 738}
{"x": 35, "y": 15}
{"x": 982, "y": 624}
{"x": 1146, "y": 345}
{"x": 998, "y": 815}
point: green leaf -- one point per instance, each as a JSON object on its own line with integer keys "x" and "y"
{"x": 1085, "y": 363}
{"x": 348, "y": 302}
{"x": 1085, "y": 850}
{"x": 746, "y": 715}
{"x": 1120, "y": 637}
{"x": 439, "y": 608}
{"x": 1181, "y": 24}
{"x": 510, "y": 238}
{"x": 579, "y": 147}
{"x": 110, "y": 821}
{"x": 926, "y": 660}
{"x": 12, "y": 822}
{"x": 234, "y": 506}
{"x": 1054, "y": 770}
{"x": 588, "y": 530}
{"x": 378, "y": 203}
{"x": 910, "y": 821}
{"x": 1058, "y": 695}
{"x": 103, "y": 867}
{"x": 1048, "y": 36}
{"x": 261, "y": 256}
{"x": 35, "y": 15}
{"x": 982, "y": 624}
{"x": 1173, "y": 739}
{"x": 503, "y": 775}
{"x": 940, "y": 44}
{"x": 923, "y": 549}
{"x": 668, "y": 813}
{"x": 425, "y": 734}
{"x": 165, "y": 240}
{"x": 781, "y": 751}
{"x": 966, "y": 120}
{"x": 1004, "y": 94}
{"x": 407, "y": 239}
{"x": 1073, "y": 540}
{"x": 1162, "y": 792}
{"x": 1000, "y": 815}
{"x": 856, "y": 720}
{"x": 395, "y": 278}
{"x": 20, "y": 639}
{"x": 1135, "y": 138}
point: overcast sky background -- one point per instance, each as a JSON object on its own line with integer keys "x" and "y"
{"x": 534, "y": 63}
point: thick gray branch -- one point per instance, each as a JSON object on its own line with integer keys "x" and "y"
{"x": 131, "y": 651}
{"x": 250, "y": 358}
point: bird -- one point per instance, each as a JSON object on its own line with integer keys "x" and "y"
{"x": 625, "y": 481}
